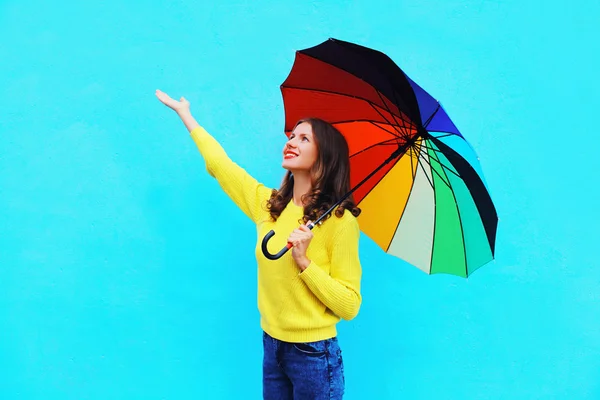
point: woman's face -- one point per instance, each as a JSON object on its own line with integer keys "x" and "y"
{"x": 300, "y": 152}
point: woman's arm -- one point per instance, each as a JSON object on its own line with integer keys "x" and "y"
{"x": 246, "y": 192}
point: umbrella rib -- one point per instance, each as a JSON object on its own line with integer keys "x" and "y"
{"x": 400, "y": 133}
{"x": 423, "y": 160}
{"x": 413, "y": 170}
{"x": 441, "y": 163}
{"x": 381, "y": 127}
{"x": 332, "y": 92}
{"x": 372, "y": 104}
{"x": 462, "y": 231}
{"x": 412, "y": 185}
{"x": 435, "y": 210}
{"x": 384, "y": 143}
{"x": 434, "y": 170}
{"x": 402, "y": 128}
{"x": 438, "y": 174}
{"x": 389, "y": 111}
{"x": 443, "y": 136}
{"x": 420, "y": 160}
{"x": 347, "y": 121}
{"x": 386, "y": 106}
{"x": 393, "y": 91}
{"x": 392, "y": 124}
{"x": 432, "y": 183}
{"x": 435, "y": 214}
{"x": 394, "y": 94}
{"x": 453, "y": 134}
{"x": 432, "y": 115}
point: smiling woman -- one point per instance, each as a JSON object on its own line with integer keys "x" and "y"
{"x": 303, "y": 295}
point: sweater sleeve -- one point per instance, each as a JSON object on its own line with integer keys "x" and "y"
{"x": 245, "y": 191}
{"x": 340, "y": 289}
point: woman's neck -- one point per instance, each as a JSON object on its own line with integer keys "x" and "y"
{"x": 302, "y": 186}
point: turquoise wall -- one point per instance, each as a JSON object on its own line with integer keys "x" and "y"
{"x": 125, "y": 273}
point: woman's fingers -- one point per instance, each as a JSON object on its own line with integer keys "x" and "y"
{"x": 162, "y": 96}
{"x": 299, "y": 236}
{"x": 298, "y": 233}
{"x": 168, "y": 101}
{"x": 305, "y": 228}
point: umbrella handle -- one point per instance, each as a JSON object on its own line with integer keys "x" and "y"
{"x": 265, "y": 251}
{"x": 284, "y": 250}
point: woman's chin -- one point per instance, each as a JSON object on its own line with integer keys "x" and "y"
{"x": 293, "y": 167}
{"x": 286, "y": 164}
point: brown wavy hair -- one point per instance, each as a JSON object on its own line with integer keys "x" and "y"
{"x": 330, "y": 177}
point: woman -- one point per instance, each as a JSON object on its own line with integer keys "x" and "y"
{"x": 303, "y": 294}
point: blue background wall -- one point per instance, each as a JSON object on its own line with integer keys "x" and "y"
{"x": 119, "y": 278}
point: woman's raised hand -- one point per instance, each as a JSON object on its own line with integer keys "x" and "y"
{"x": 181, "y": 107}
{"x": 178, "y": 106}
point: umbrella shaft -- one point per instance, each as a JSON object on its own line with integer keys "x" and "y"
{"x": 399, "y": 151}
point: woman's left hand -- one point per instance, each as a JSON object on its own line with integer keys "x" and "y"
{"x": 300, "y": 238}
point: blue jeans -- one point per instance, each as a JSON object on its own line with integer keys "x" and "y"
{"x": 311, "y": 371}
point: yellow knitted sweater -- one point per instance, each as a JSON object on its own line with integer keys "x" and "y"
{"x": 294, "y": 306}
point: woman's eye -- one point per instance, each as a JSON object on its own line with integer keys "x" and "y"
{"x": 305, "y": 138}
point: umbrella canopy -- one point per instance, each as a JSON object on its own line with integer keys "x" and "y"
{"x": 416, "y": 179}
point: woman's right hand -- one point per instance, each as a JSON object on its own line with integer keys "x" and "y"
{"x": 178, "y": 106}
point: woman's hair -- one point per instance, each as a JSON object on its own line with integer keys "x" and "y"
{"x": 330, "y": 177}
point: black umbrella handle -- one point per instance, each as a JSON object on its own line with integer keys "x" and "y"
{"x": 284, "y": 250}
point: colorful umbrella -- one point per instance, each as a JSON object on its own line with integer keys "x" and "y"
{"x": 415, "y": 177}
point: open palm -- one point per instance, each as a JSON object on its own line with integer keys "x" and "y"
{"x": 177, "y": 106}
